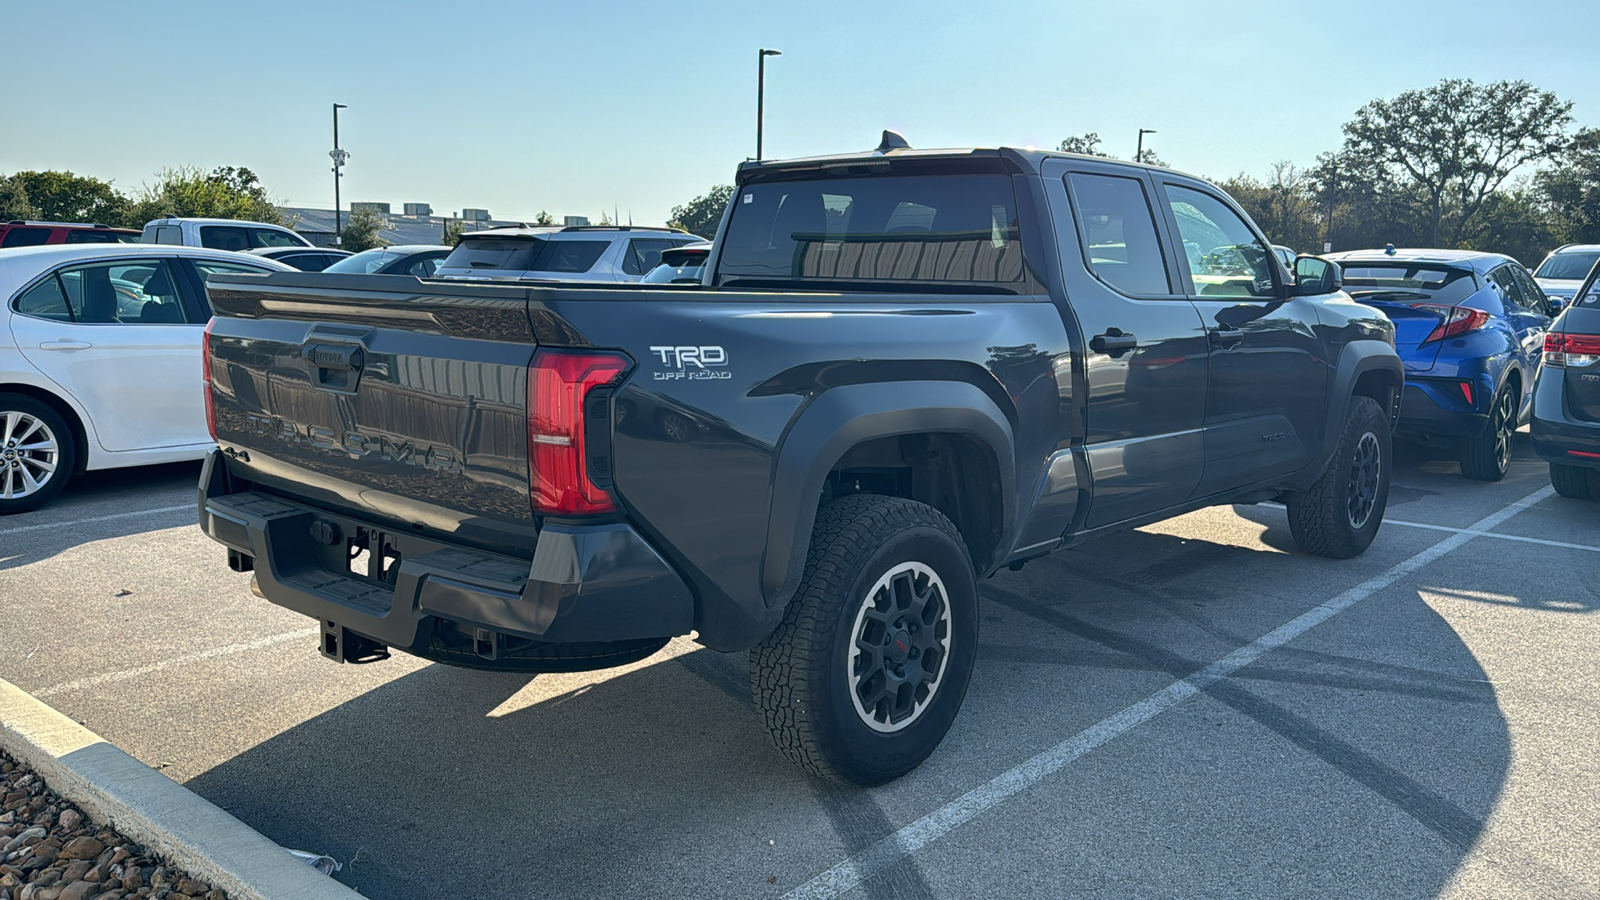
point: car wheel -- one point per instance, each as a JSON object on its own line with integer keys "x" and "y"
{"x": 1575, "y": 482}
{"x": 863, "y": 677}
{"x": 1487, "y": 457}
{"x": 37, "y": 453}
{"x": 1338, "y": 516}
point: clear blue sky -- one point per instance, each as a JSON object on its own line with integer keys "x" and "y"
{"x": 577, "y": 107}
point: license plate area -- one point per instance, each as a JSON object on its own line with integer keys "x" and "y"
{"x": 372, "y": 556}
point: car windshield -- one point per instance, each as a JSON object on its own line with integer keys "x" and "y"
{"x": 1571, "y": 265}
{"x": 956, "y": 230}
{"x": 1408, "y": 281}
{"x": 365, "y": 262}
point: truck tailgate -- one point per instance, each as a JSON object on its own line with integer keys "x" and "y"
{"x": 403, "y": 406}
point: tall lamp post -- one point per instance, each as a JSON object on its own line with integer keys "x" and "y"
{"x": 340, "y": 157}
{"x": 761, "y": 92}
{"x": 1138, "y": 156}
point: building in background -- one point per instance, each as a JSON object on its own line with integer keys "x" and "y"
{"x": 416, "y": 225}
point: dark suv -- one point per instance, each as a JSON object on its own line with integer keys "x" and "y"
{"x": 18, "y": 233}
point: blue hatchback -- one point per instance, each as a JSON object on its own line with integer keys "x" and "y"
{"x": 1470, "y": 329}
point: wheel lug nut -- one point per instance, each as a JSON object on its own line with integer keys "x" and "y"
{"x": 899, "y": 671}
{"x": 914, "y": 653}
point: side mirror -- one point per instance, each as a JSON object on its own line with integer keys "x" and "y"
{"x": 1556, "y": 303}
{"x": 1314, "y": 275}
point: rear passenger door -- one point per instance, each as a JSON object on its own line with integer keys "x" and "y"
{"x": 1266, "y": 401}
{"x": 125, "y": 342}
{"x": 1527, "y": 313}
{"x": 1144, "y": 373}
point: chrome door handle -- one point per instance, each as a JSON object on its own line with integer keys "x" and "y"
{"x": 65, "y": 344}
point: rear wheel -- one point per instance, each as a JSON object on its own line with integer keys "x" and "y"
{"x": 1487, "y": 457}
{"x": 1338, "y": 516}
{"x": 1575, "y": 481}
{"x": 864, "y": 676}
{"x": 37, "y": 453}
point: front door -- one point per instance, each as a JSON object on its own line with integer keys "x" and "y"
{"x": 1145, "y": 359}
{"x": 117, "y": 336}
{"x": 1269, "y": 373}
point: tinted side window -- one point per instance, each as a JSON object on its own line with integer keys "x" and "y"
{"x": 25, "y": 237}
{"x": 141, "y": 292}
{"x": 569, "y": 256}
{"x": 169, "y": 234}
{"x": 424, "y": 268}
{"x": 1118, "y": 232}
{"x": 271, "y": 237}
{"x": 1531, "y": 291}
{"x": 44, "y": 301}
{"x": 224, "y": 237}
{"x": 1505, "y": 285}
{"x": 86, "y": 236}
{"x": 1224, "y": 256}
{"x": 644, "y": 255}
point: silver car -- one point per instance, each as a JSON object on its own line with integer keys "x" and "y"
{"x": 605, "y": 253}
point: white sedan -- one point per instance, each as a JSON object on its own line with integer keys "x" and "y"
{"x": 100, "y": 360}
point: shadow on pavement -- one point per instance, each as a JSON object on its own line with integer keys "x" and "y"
{"x": 42, "y": 533}
{"x": 659, "y": 782}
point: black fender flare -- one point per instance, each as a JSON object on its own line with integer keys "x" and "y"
{"x": 1355, "y": 360}
{"x": 842, "y": 417}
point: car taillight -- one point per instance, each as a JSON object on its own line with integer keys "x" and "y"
{"x": 558, "y": 382}
{"x": 205, "y": 380}
{"x": 1576, "y": 350}
{"x": 1457, "y": 320}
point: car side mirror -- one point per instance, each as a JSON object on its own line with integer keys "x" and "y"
{"x": 1314, "y": 275}
{"x": 1556, "y": 303}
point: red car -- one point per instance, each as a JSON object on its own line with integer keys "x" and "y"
{"x": 32, "y": 234}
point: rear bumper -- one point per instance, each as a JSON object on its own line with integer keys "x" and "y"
{"x": 591, "y": 583}
{"x": 1555, "y": 434}
{"x": 1436, "y": 406}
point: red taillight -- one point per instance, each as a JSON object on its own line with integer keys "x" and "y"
{"x": 1466, "y": 391}
{"x": 1457, "y": 320}
{"x": 1576, "y": 350}
{"x": 205, "y": 378}
{"x": 558, "y": 472}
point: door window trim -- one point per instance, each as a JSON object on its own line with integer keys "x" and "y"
{"x": 1081, "y": 238}
{"x": 1175, "y": 237}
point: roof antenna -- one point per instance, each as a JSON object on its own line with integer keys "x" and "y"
{"x": 892, "y": 140}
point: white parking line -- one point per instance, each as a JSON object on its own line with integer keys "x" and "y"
{"x": 127, "y": 515}
{"x": 913, "y": 837}
{"x": 214, "y": 652}
{"x": 1494, "y": 534}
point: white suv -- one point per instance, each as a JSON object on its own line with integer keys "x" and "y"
{"x": 553, "y": 253}
{"x": 220, "y": 234}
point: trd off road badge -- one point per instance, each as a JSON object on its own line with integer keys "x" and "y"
{"x": 702, "y": 363}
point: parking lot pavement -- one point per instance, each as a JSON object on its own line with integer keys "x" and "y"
{"x": 1192, "y": 709}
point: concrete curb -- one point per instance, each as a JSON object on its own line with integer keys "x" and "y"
{"x": 147, "y": 806}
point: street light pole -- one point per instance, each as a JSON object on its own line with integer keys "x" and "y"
{"x": 339, "y": 158}
{"x": 1138, "y": 156}
{"x": 761, "y": 92}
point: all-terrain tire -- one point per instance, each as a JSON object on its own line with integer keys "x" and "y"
{"x": 887, "y": 607}
{"x": 38, "y": 453}
{"x": 1338, "y": 516}
{"x": 1576, "y": 482}
{"x": 1487, "y": 456}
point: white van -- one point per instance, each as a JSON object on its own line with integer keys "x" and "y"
{"x": 220, "y": 234}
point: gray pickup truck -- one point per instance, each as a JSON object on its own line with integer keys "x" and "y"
{"x": 903, "y": 371}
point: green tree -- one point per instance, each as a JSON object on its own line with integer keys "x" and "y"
{"x": 451, "y": 235}
{"x": 225, "y": 193}
{"x": 1453, "y": 145}
{"x": 703, "y": 214}
{"x": 14, "y": 202}
{"x": 65, "y": 197}
{"x": 1087, "y": 143}
{"x": 544, "y": 218}
{"x": 1572, "y": 189}
{"x": 361, "y": 229}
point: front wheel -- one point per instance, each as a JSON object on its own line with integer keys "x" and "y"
{"x": 37, "y": 453}
{"x": 864, "y": 676}
{"x": 1487, "y": 457}
{"x": 1338, "y": 516}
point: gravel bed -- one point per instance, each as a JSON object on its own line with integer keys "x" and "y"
{"x": 49, "y": 850}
